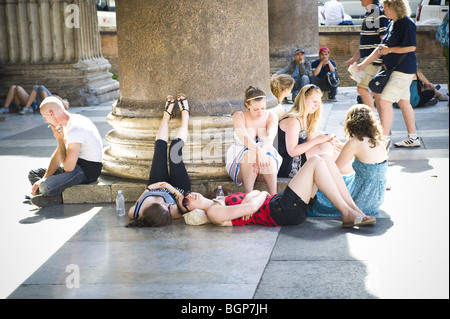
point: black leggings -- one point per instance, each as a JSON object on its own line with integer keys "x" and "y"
{"x": 159, "y": 172}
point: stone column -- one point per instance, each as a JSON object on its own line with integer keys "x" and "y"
{"x": 208, "y": 49}
{"x": 55, "y": 43}
{"x": 292, "y": 24}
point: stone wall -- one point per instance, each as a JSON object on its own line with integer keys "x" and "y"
{"x": 109, "y": 47}
{"x": 342, "y": 41}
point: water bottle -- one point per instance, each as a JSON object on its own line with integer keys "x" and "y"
{"x": 219, "y": 193}
{"x": 120, "y": 204}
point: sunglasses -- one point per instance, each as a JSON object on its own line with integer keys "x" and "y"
{"x": 311, "y": 87}
{"x": 185, "y": 201}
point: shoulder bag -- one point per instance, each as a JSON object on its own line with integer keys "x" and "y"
{"x": 380, "y": 80}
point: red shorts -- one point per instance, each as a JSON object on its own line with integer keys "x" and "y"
{"x": 261, "y": 217}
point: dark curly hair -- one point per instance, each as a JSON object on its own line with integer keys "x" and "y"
{"x": 361, "y": 122}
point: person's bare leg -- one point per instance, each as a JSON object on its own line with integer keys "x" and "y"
{"x": 183, "y": 130}
{"x": 10, "y": 96}
{"x": 315, "y": 174}
{"x": 386, "y": 114}
{"x": 31, "y": 98}
{"x": 366, "y": 96}
{"x": 163, "y": 131}
{"x": 339, "y": 181}
{"x": 247, "y": 171}
{"x": 20, "y": 96}
{"x": 408, "y": 115}
{"x": 270, "y": 176}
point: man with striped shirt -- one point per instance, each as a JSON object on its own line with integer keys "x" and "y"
{"x": 373, "y": 29}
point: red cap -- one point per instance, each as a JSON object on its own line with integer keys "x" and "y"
{"x": 324, "y": 49}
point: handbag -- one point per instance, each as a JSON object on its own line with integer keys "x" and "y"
{"x": 380, "y": 80}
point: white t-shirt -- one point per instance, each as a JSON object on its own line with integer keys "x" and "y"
{"x": 333, "y": 11}
{"x": 81, "y": 130}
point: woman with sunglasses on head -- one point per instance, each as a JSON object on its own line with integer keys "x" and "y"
{"x": 298, "y": 137}
{"x": 291, "y": 206}
{"x": 160, "y": 203}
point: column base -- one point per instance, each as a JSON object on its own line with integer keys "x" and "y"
{"x": 131, "y": 146}
{"x": 83, "y": 83}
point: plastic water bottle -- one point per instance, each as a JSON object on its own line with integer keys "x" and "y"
{"x": 219, "y": 193}
{"x": 120, "y": 204}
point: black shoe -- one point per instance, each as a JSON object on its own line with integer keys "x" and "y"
{"x": 45, "y": 201}
{"x": 431, "y": 102}
{"x": 359, "y": 99}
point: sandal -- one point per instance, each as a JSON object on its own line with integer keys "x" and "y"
{"x": 169, "y": 105}
{"x": 360, "y": 222}
{"x": 180, "y": 101}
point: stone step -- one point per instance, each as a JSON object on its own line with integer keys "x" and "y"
{"x": 105, "y": 189}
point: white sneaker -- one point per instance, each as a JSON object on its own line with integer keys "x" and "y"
{"x": 408, "y": 142}
{"x": 4, "y": 110}
{"x": 26, "y": 111}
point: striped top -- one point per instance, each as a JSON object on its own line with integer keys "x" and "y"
{"x": 164, "y": 193}
{"x": 373, "y": 27}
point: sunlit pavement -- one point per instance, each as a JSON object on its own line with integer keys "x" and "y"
{"x": 83, "y": 250}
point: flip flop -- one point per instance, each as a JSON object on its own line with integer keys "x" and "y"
{"x": 359, "y": 222}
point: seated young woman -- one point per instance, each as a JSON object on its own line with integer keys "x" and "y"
{"x": 298, "y": 135}
{"x": 281, "y": 86}
{"x": 289, "y": 207}
{"x": 161, "y": 201}
{"x": 366, "y": 151}
{"x": 252, "y": 154}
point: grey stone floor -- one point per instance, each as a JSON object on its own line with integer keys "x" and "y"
{"x": 84, "y": 250}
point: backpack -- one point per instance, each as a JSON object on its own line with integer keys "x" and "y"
{"x": 442, "y": 32}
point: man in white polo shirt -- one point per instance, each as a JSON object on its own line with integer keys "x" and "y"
{"x": 76, "y": 160}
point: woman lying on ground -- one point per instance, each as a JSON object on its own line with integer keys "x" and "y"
{"x": 161, "y": 201}
{"x": 291, "y": 206}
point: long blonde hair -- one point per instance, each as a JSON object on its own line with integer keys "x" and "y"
{"x": 299, "y": 107}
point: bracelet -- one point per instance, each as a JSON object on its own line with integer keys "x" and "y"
{"x": 176, "y": 193}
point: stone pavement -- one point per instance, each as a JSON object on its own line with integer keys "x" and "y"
{"x": 84, "y": 251}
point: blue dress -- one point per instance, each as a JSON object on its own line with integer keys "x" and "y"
{"x": 366, "y": 186}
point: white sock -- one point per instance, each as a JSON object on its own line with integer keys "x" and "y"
{"x": 413, "y": 136}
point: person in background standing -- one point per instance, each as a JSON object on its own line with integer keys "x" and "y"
{"x": 373, "y": 28}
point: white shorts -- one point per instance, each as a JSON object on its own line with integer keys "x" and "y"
{"x": 397, "y": 88}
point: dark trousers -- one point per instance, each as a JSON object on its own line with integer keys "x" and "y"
{"x": 159, "y": 171}
{"x": 324, "y": 86}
